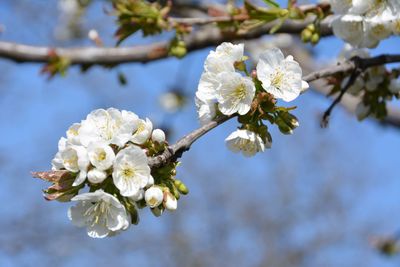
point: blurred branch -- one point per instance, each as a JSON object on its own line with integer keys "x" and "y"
{"x": 202, "y": 38}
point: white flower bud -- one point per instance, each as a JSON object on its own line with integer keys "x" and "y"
{"x": 170, "y": 202}
{"x": 93, "y": 35}
{"x": 96, "y": 176}
{"x": 158, "y": 136}
{"x": 153, "y": 196}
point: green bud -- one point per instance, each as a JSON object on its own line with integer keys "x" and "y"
{"x": 306, "y": 35}
{"x": 311, "y": 27}
{"x": 240, "y": 65}
{"x": 283, "y": 127}
{"x": 178, "y": 49}
{"x": 283, "y": 12}
{"x": 290, "y": 120}
{"x": 157, "y": 211}
{"x": 181, "y": 187}
{"x": 315, "y": 38}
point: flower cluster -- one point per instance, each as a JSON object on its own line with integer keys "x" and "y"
{"x": 364, "y": 23}
{"x": 226, "y": 87}
{"x": 375, "y": 86}
{"x": 108, "y": 152}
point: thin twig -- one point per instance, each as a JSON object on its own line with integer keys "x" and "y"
{"x": 325, "y": 118}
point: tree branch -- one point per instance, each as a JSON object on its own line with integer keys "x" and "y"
{"x": 202, "y": 38}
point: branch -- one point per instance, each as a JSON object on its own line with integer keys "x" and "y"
{"x": 325, "y": 118}
{"x": 176, "y": 150}
{"x": 349, "y": 102}
{"x": 200, "y": 39}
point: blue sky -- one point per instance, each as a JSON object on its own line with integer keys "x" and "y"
{"x": 341, "y": 182}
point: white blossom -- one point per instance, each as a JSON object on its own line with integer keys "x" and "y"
{"x": 235, "y": 94}
{"x": 378, "y": 28}
{"x": 158, "y": 136}
{"x": 73, "y": 134}
{"x": 208, "y": 86}
{"x": 362, "y": 111}
{"x": 131, "y": 170}
{"x": 364, "y": 23}
{"x": 75, "y": 159}
{"x": 206, "y": 110}
{"x": 143, "y": 132}
{"x": 216, "y": 63}
{"x": 101, "y": 155}
{"x": 96, "y": 176}
{"x": 394, "y": 86}
{"x": 350, "y": 28}
{"x": 101, "y": 213}
{"x": 376, "y": 76}
{"x": 341, "y": 6}
{"x": 154, "y": 196}
{"x": 279, "y": 76}
{"x": 138, "y": 196}
{"x": 231, "y": 51}
{"x": 109, "y": 126}
{"x": 247, "y": 142}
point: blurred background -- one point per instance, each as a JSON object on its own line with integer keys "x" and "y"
{"x": 320, "y": 197}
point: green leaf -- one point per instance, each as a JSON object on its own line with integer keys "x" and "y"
{"x": 271, "y": 3}
{"x": 277, "y": 26}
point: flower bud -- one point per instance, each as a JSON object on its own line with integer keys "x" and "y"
{"x": 306, "y": 35}
{"x": 153, "y": 196}
{"x": 157, "y": 211}
{"x": 158, "y": 136}
{"x": 178, "y": 49}
{"x": 283, "y": 12}
{"x": 311, "y": 27}
{"x": 181, "y": 187}
{"x": 93, "y": 35}
{"x": 315, "y": 38}
{"x": 290, "y": 120}
{"x": 96, "y": 176}
{"x": 240, "y": 65}
{"x": 283, "y": 126}
{"x": 170, "y": 202}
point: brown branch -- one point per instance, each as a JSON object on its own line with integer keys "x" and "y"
{"x": 242, "y": 17}
{"x": 202, "y": 38}
{"x": 349, "y": 102}
{"x": 176, "y": 150}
